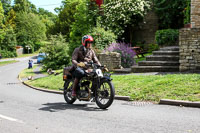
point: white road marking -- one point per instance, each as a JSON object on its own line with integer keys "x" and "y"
{"x": 10, "y": 119}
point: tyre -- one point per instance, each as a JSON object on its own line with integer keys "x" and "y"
{"x": 105, "y": 94}
{"x": 68, "y": 92}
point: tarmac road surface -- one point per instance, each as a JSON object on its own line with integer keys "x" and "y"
{"x": 25, "y": 110}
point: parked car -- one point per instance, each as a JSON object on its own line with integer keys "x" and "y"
{"x": 40, "y": 57}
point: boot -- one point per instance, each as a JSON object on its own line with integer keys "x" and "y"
{"x": 76, "y": 81}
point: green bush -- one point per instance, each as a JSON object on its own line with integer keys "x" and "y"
{"x": 8, "y": 54}
{"x": 56, "y": 53}
{"x": 152, "y": 47}
{"x": 167, "y": 37}
{"x": 102, "y": 38}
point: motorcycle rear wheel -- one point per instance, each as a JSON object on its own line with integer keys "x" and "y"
{"x": 68, "y": 92}
{"x": 105, "y": 94}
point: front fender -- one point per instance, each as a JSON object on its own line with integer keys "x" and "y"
{"x": 106, "y": 78}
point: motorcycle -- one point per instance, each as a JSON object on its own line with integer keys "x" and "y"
{"x": 94, "y": 86}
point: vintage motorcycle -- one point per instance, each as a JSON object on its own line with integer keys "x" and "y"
{"x": 94, "y": 86}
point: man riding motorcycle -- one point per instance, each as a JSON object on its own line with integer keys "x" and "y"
{"x": 80, "y": 57}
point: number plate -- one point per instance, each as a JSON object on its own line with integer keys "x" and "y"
{"x": 99, "y": 72}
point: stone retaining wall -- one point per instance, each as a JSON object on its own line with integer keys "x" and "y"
{"x": 189, "y": 42}
{"x": 112, "y": 60}
{"x": 195, "y": 13}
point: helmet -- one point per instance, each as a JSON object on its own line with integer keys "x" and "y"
{"x": 86, "y": 38}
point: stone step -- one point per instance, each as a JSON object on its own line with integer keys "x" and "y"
{"x": 123, "y": 70}
{"x": 141, "y": 69}
{"x": 165, "y": 52}
{"x": 162, "y": 58}
{"x": 170, "y": 48}
{"x": 158, "y": 63}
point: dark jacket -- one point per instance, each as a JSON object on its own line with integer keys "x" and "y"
{"x": 81, "y": 54}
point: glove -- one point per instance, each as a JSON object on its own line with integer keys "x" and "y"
{"x": 81, "y": 64}
{"x": 105, "y": 68}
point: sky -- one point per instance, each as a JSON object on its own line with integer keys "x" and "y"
{"x": 47, "y": 4}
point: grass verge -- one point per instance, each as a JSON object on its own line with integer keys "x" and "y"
{"x": 142, "y": 87}
{"x": 7, "y": 62}
{"x": 27, "y": 72}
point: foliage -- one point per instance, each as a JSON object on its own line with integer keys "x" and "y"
{"x": 127, "y": 54}
{"x": 10, "y": 19}
{"x": 85, "y": 19}
{"x": 8, "y": 43}
{"x": 1, "y": 15}
{"x": 152, "y": 47}
{"x": 6, "y": 5}
{"x": 167, "y": 37}
{"x": 29, "y": 29}
{"x": 65, "y": 18}
{"x": 171, "y": 13}
{"x": 187, "y": 12}
{"x": 56, "y": 53}
{"x": 102, "y": 38}
{"x": 24, "y": 6}
{"x": 6, "y": 53}
{"x": 48, "y": 19}
{"x": 120, "y": 14}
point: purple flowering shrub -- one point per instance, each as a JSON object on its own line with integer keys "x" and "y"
{"x": 127, "y": 54}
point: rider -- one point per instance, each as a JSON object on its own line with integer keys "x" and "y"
{"x": 80, "y": 57}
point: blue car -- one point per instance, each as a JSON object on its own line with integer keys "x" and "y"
{"x": 40, "y": 57}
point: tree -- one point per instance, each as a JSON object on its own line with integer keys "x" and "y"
{"x": 2, "y": 33}
{"x": 66, "y": 18}
{"x": 56, "y": 53}
{"x": 6, "y": 5}
{"x": 29, "y": 29}
{"x": 24, "y": 6}
{"x": 1, "y": 15}
{"x": 9, "y": 43}
{"x": 48, "y": 19}
{"x": 10, "y": 19}
{"x": 85, "y": 20}
{"x": 171, "y": 13}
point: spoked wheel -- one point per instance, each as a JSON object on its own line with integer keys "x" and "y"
{"x": 68, "y": 92}
{"x": 105, "y": 94}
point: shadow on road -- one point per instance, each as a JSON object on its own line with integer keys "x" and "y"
{"x": 55, "y": 107}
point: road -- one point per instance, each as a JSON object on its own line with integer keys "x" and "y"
{"x": 25, "y": 110}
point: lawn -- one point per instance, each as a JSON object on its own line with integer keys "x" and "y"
{"x": 27, "y": 72}
{"x": 7, "y": 62}
{"x": 142, "y": 87}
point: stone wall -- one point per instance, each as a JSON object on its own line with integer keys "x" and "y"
{"x": 189, "y": 48}
{"x": 195, "y": 13}
{"x": 148, "y": 29}
{"x": 19, "y": 50}
{"x": 112, "y": 60}
{"x": 189, "y": 41}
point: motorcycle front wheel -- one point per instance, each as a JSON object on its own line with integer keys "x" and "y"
{"x": 105, "y": 94}
{"x": 68, "y": 92}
